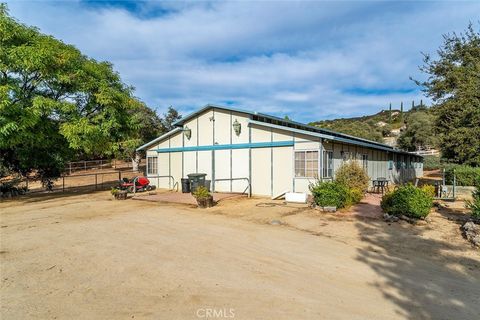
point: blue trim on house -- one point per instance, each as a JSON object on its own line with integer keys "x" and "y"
{"x": 229, "y": 146}
{"x": 288, "y": 122}
{"x": 287, "y": 125}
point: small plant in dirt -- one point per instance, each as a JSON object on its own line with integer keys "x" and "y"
{"x": 201, "y": 193}
{"x": 474, "y": 205}
{"x": 408, "y": 200}
{"x": 119, "y": 194}
{"x": 114, "y": 191}
{"x": 330, "y": 194}
{"x": 203, "y": 196}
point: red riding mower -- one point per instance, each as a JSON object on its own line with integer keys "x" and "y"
{"x": 141, "y": 184}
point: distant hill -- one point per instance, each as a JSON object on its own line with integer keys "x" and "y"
{"x": 381, "y": 127}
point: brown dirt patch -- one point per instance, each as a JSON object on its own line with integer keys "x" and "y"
{"x": 88, "y": 256}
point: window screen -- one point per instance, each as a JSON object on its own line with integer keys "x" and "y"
{"x": 327, "y": 164}
{"x": 365, "y": 162}
{"x": 306, "y": 164}
{"x": 152, "y": 165}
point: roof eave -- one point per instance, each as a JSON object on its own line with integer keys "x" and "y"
{"x": 166, "y": 135}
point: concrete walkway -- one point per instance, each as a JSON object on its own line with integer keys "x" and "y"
{"x": 369, "y": 207}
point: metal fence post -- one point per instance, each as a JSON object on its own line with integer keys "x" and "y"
{"x": 95, "y": 181}
{"x": 63, "y": 183}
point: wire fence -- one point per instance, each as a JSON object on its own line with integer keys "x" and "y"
{"x": 90, "y": 165}
{"x": 81, "y": 182}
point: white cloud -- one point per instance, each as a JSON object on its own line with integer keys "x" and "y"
{"x": 309, "y": 60}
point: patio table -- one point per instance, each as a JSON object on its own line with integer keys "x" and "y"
{"x": 380, "y": 184}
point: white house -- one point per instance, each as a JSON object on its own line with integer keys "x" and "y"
{"x": 238, "y": 149}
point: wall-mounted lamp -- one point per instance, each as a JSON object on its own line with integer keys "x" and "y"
{"x": 187, "y": 132}
{"x": 237, "y": 127}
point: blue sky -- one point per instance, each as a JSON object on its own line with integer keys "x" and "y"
{"x": 308, "y": 60}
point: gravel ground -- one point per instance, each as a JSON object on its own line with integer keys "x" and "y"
{"x": 86, "y": 256}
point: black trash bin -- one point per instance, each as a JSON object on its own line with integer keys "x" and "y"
{"x": 185, "y": 185}
{"x": 196, "y": 180}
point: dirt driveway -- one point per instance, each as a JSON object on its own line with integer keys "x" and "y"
{"x": 86, "y": 256}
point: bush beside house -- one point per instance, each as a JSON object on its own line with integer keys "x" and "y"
{"x": 348, "y": 188}
{"x": 354, "y": 178}
{"x": 330, "y": 194}
{"x": 408, "y": 200}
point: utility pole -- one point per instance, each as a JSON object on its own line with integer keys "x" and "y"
{"x": 390, "y": 113}
{"x": 401, "y": 112}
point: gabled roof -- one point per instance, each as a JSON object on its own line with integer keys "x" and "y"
{"x": 169, "y": 133}
{"x": 284, "y": 124}
{"x": 207, "y": 107}
{"x": 281, "y": 121}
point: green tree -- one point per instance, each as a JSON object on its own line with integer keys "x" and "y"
{"x": 454, "y": 85}
{"x": 55, "y": 103}
{"x": 420, "y": 132}
{"x": 169, "y": 118}
{"x": 150, "y": 127}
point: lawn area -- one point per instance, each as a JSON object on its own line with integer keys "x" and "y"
{"x": 87, "y": 256}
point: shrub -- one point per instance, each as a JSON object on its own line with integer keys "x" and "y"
{"x": 12, "y": 186}
{"x": 407, "y": 200}
{"x": 465, "y": 175}
{"x": 429, "y": 189}
{"x": 355, "y": 196}
{"x": 353, "y": 176}
{"x": 331, "y": 194}
{"x": 201, "y": 193}
{"x": 431, "y": 163}
{"x": 474, "y": 205}
{"x": 114, "y": 191}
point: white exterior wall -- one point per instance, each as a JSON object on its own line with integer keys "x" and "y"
{"x": 270, "y": 169}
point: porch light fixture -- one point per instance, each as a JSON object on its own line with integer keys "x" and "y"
{"x": 187, "y": 132}
{"x": 237, "y": 127}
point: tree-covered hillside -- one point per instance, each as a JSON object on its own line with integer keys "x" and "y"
{"x": 375, "y": 127}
